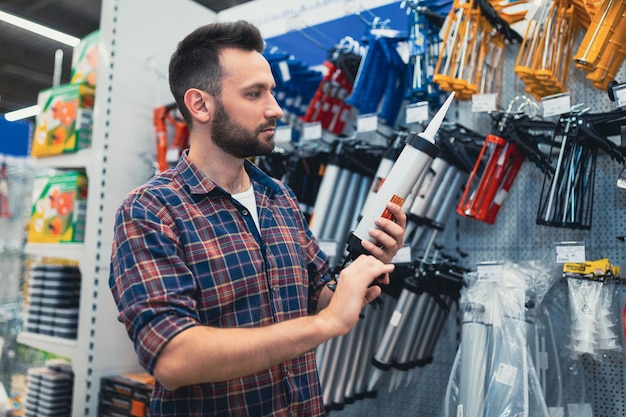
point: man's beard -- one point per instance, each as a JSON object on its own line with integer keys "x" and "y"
{"x": 235, "y": 139}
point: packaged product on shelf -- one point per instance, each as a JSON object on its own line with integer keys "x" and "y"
{"x": 85, "y": 60}
{"x": 49, "y": 390}
{"x": 53, "y": 300}
{"x": 59, "y": 208}
{"x": 64, "y": 121}
{"x": 125, "y": 395}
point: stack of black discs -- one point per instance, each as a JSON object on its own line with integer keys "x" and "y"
{"x": 53, "y": 300}
{"x": 49, "y": 390}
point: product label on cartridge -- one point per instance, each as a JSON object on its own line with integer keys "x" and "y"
{"x": 395, "y": 318}
{"x": 394, "y": 199}
{"x": 506, "y": 374}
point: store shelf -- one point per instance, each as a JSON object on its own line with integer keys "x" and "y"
{"x": 70, "y": 251}
{"x": 78, "y": 160}
{"x": 56, "y": 345}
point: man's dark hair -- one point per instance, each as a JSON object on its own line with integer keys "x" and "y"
{"x": 196, "y": 61}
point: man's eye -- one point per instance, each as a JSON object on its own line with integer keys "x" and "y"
{"x": 254, "y": 93}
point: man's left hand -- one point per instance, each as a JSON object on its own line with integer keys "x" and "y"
{"x": 389, "y": 234}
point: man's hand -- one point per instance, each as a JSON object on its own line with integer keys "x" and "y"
{"x": 389, "y": 235}
{"x": 354, "y": 290}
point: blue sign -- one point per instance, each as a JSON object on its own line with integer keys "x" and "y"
{"x": 15, "y": 137}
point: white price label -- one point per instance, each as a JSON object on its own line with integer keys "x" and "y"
{"x": 416, "y": 113}
{"x": 328, "y": 247}
{"x": 283, "y": 135}
{"x": 556, "y": 104}
{"x": 284, "y": 71}
{"x": 367, "y": 123}
{"x": 484, "y": 102}
{"x": 402, "y": 256}
{"x": 395, "y": 318}
{"x": 173, "y": 154}
{"x": 490, "y": 272}
{"x": 506, "y": 374}
{"x": 570, "y": 253}
{"x": 312, "y": 131}
{"x": 620, "y": 95}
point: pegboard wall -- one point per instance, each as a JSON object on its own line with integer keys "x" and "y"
{"x": 599, "y": 383}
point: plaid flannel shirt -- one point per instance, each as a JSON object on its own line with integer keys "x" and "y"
{"x": 185, "y": 253}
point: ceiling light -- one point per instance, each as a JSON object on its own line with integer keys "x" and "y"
{"x": 20, "y": 114}
{"x": 39, "y": 29}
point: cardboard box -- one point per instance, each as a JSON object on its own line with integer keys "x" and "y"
{"x": 64, "y": 121}
{"x": 85, "y": 60}
{"x": 59, "y": 208}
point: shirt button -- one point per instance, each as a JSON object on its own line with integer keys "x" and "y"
{"x": 244, "y": 212}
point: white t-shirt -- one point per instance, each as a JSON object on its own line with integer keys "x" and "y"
{"x": 248, "y": 201}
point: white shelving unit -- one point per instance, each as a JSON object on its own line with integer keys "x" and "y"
{"x": 56, "y": 345}
{"x": 137, "y": 39}
{"x": 70, "y": 251}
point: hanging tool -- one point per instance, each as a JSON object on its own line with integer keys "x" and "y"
{"x": 567, "y": 195}
{"x": 424, "y": 24}
{"x": 601, "y": 50}
{"x": 545, "y": 56}
{"x": 168, "y": 152}
{"x": 472, "y": 54}
{"x": 379, "y": 84}
{"x": 500, "y": 160}
{"x": 296, "y": 82}
{"x": 328, "y": 106}
{"x": 4, "y": 191}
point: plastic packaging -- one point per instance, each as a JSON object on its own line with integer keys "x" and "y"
{"x": 499, "y": 376}
{"x": 594, "y": 330}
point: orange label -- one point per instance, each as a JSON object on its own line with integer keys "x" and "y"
{"x": 394, "y": 199}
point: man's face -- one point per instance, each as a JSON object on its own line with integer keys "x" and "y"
{"x": 236, "y": 139}
{"x": 245, "y": 116}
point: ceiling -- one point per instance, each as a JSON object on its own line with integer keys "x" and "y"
{"x": 27, "y": 60}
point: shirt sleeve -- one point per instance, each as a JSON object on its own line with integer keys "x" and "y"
{"x": 150, "y": 283}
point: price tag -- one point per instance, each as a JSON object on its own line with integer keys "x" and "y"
{"x": 367, "y": 123}
{"x": 506, "y": 374}
{"x": 556, "y": 104}
{"x": 395, "y": 318}
{"x": 621, "y": 180}
{"x": 284, "y": 71}
{"x": 403, "y": 256}
{"x": 490, "y": 272}
{"x": 484, "y": 102}
{"x": 328, "y": 247}
{"x": 311, "y": 131}
{"x": 403, "y": 52}
{"x": 172, "y": 154}
{"x": 283, "y": 135}
{"x": 566, "y": 253}
{"x": 416, "y": 113}
{"x": 620, "y": 95}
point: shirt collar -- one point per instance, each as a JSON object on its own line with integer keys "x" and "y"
{"x": 199, "y": 183}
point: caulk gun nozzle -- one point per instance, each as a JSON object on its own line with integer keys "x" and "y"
{"x": 437, "y": 120}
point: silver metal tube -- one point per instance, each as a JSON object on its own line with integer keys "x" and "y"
{"x": 324, "y": 197}
{"x": 394, "y": 328}
{"x": 336, "y": 205}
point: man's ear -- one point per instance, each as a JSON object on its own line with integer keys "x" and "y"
{"x": 200, "y": 104}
